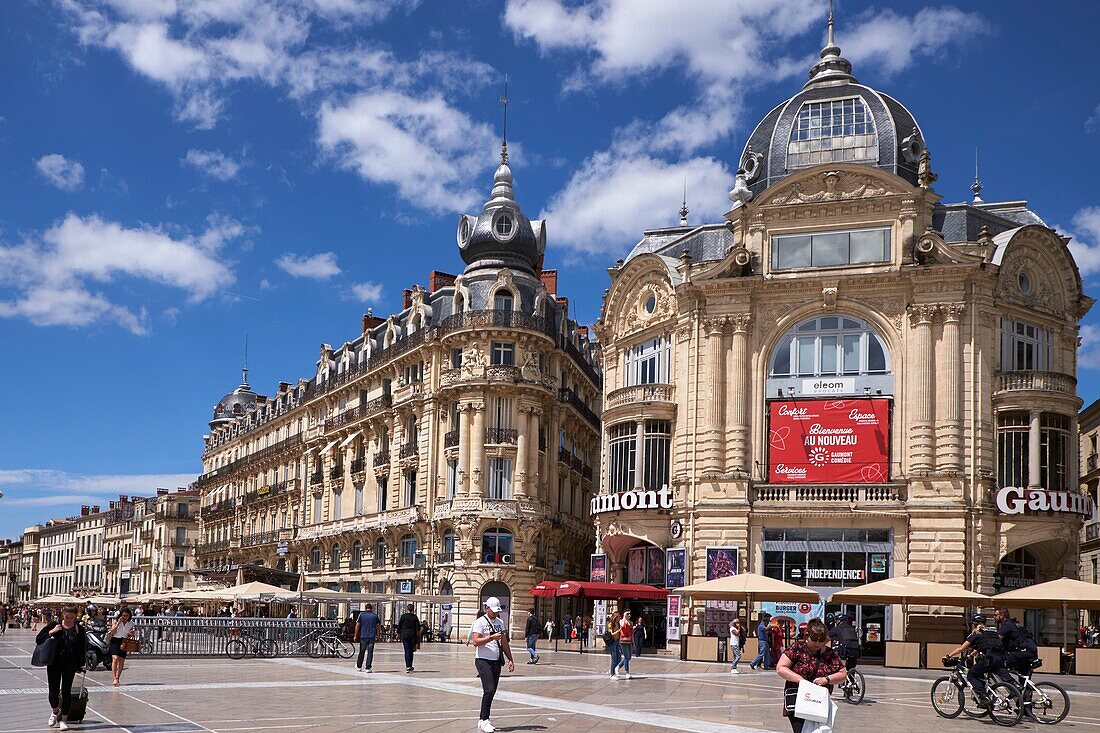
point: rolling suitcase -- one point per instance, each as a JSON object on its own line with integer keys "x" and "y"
{"x": 79, "y": 705}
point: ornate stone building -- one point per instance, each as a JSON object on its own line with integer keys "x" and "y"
{"x": 446, "y": 449}
{"x": 165, "y": 530}
{"x": 847, "y": 379}
{"x": 88, "y": 569}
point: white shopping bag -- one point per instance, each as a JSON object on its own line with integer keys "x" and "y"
{"x": 814, "y": 726}
{"x": 812, "y": 702}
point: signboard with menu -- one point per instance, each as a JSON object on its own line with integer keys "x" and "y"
{"x": 829, "y": 441}
{"x": 672, "y": 628}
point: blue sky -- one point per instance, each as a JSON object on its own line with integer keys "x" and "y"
{"x": 176, "y": 174}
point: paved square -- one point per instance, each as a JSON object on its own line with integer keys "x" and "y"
{"x": 566, "y": 691}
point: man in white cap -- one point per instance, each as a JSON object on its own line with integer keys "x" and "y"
{"x": 489, "y": 636}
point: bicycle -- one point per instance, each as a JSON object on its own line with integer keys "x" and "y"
{"x": 1044, "y": 702}
{"x": 1002, "y": 702}
{"x": 250, "y": 641}
{"x": 329, "y": 644}
{"x": 854, "y": 686}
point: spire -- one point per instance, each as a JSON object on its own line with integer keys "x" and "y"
{"x": 504, "y": 134}
{"x": 976, "y": 186}
{"x": 832, "y": 68}
{"x": 684, "y": 210}
{"x": 244, "y": 368}
{"x": 502, "y": 179}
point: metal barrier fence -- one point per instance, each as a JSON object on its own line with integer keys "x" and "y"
{"x": 198, "y": 636}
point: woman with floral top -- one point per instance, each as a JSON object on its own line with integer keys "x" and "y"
{"x": 809, "y": 659}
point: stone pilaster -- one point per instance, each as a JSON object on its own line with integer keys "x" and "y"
{"x": 713, "y": 436}
{"x": 737, "y": 391}
{"x": 922, "y": 439}
{"x": 949, "y": 369}
{"x": 477, "y": 450}
{"x": 523, "y": 446}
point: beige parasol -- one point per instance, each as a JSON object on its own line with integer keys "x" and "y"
{"x": 746, "y": 587}
{"x": 906, "y": 589}
{"x": 1064, "y": 593}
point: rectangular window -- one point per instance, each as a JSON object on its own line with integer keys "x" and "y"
{"x": 1053, "y": 451}
{"x": 383, "y": 492}
{"x": 1012, "y": 449}
{"x": 359, "y": 500}
{"x": 648, "y": 362}
{"x": 317, "y": 509}
{"x": 1024, "y": 346}
{"x": 622, "y": 456}
{"x": 658, "y": 434}
{"x": 503, "y": 353}
{"x": 337, "y": 505}
{"x": 181, "y": 536}
{"x": 500, "y": 478}
{"x": 830, "y": 249}
{"x": 456, "y": 357}
{"x": 452, "y": 478}
{"x": 179, "y": 561}
{"x": 500, "y": 416}
{"x": 409, "y": 495}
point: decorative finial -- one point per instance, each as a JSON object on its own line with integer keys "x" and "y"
{"x": 831, "y": 42}
{"x": 976, "y": 186}
{"x": 684, "y": 210}
{"x": 925, "y": 176}
{"x": 832, "y": 68}
{"x": 244, "y": 369}
{"x": 504, "y": 136}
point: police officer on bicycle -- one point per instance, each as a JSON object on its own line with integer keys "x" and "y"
{"x": 986, "y": 644}
{"x": 845, "y": 640}
{"x": 1020, "y": 649}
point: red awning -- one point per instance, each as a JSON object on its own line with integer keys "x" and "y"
{"x": 546, "y": 589}
{"x": 611, "y": 591}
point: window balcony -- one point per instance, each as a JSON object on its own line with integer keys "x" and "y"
{"x": 409, "y": 450}
{"x": 445, "y": 558}
{"x": 336, "y": 472}
{"x": 378, "y": 562}
{"x": 357, "y": 465}
{"x": 569, "y": 397}
{"x": 450, "y": 440}
{"x": 501, "y": 436}
{"x": 406, "y": 561}
{"x": 640, "y": 394}
{"x": 836, "y": 494}
{"x": 381, "y": 458}
{"x": 1031, "y": 381}
{"x": 1092, "y": 531}
{"x": 316, "y": 478}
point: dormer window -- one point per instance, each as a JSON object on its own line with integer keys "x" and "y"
{"x": 504, "y": 226}
{"x": 503, "y": 300}
{"x": 834, "y": 131}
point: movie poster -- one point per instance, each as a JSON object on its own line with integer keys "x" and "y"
{"x": 655, "y": 566}
{"x": 675, "y": 562}
{"x": 597, "y": 569}
{"x": 672, "y": 619}
{"x": 721, "y": 562}
{"x": 635, "y": 565}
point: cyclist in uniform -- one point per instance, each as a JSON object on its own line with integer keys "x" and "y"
{"x": 986, "y": 644}
{"x": 1019, "y": 647}
{"x": 845, "y": 640}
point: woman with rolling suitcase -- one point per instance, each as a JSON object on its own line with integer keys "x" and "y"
{"x": 70, "y": 647}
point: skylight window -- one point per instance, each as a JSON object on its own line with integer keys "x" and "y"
{"x": 834, "y": 131}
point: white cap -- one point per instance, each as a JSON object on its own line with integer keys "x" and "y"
{"x": 493, "y": 605}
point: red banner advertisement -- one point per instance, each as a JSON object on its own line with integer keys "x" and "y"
{"x": 829, "y": 441}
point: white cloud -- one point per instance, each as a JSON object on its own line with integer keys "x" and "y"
{"x": 602, "y": 205}
{"x": 65, "y": 174}
{"x": 888, "y": 42}
{"x": 367, "y": 292}
{"x": 90, "y": 485}
{"x": 1088, "y": 353}
{"x": 320, "y": 266}
{"x": 1084, "y": 242}
{"x": 51, "y": 277}
{"x": 422, "y": 145}
{"x": 213, "y": 163}
{"x": 1093, "y": 122}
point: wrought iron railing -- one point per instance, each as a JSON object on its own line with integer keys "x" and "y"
{"x": 498, "y": 436}
{"x": 357, "y": 465}
{"x": 450, "y": 439}
{"x": 569, "y": 397}
{"x": 409, "y": 450}
{"x": 381, "y": 458}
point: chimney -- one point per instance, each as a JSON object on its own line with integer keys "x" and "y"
{"x": 84, "y": 510}
{"x": 438, "y": 280}
{"x": 95, "y": 509}
{"x": 370, "y": 320}
{"x": 283, "y": 387}
{"x": 550, "y": 280}
{"x": 162, "y": 492}
{"x": 406, "y": 298}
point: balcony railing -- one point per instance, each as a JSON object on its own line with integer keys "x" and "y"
{"x": 110, "y": 562}
{"x": 406, "y": 561}
{"x": 638, "y": 394}
{"x": 498, "y": 436}
{"x": 225, "y": 505}
{"x": 564, "y": 456}
{"x": 316, "y": 478}
{"x": 356, "y": 414}
{"x": 269, "y": 491}
{"x": 381, "y": 458}
{"x": 146, "y": 534}
{"x": 569, "y": 397}
{"x": 1039, "y": 381}
{"x": 336, "y": 472}
{"x": 378, "y": 562}
{"x": 357, "y": 465}
{"x": 445, "y": 557}
{"x": 260, "y": 538}
{"x": 1092, "y": 531}
{"x": 829, "y": 494}
{"x": 450, "y": 440}
{"x": 409, "y": 450}
{"x": 498, "y": 319}
{"x": 219, "y": 546}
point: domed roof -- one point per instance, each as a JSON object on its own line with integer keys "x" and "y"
{"x": 501, "y": 236}
{"x": 235, "y": 404}
{"x": 834, "y": 119}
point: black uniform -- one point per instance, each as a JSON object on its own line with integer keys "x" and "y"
{"x": 847, "y": 642}
{"x": 1019, "y": 647}
{"x": 991, "y": 660}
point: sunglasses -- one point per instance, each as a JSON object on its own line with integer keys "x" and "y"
{"x": 817, "y": 637}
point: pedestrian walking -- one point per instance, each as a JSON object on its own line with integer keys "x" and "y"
{"x": 611, "y": 638}
{"x": 122, "y": 628}
{"x": 408, "y": 629}
{"x": 366, "y": 631}
{"x": 736, "y": 632}
{"x": 763, "y": 654}
{"x": 776, "y": 640}
{"x": 640, "y": 635}
{"x": 626, "y": 638}
{"x": 549, "y": 629}
{"x": 532, "y": 634}
{"x": 490, "y": 638}
{"x": 3, "y": 619}
{"x": 470, "y": 632}
{"x": 567, "y": 627}
{"x": 809, "y": 659}
{"x": 586, "y": 629}
{"x": 71, "y": 646}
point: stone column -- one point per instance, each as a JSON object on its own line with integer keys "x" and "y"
{"x": 737, "y": 455}
{"x": 477, "y": 450}
{"x": 523, "y": 445}
{"x": 533, "y": 451}
{"x": 714, "y": 449}
{"x": 464, "y": 417}
{"x": 922, "y": 439}
{"x": 949, "y": 448}
{"x": 1033, "y": 450}
{"x": 639, "y": 456}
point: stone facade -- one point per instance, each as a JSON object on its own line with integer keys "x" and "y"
{"x": 962, "y": 328}
{"x": 88, "y": 566}
{"x": 1089, "y": 427}
{"x": 164, "y": 534}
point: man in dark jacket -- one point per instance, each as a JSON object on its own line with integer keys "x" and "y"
{"x": 1020, "y": 649}
{"x": 408, "y": 629}
{"x": 763, "y": 653}
{"x": 531, "y": 631}
{"x": 71, "y": 647}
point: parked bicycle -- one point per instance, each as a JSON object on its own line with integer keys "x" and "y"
{"x": 1044, "y": 702}
{"x": 953, "y": 694}
{"x": 329, "y": 644}
{"x": 250, "y": 641}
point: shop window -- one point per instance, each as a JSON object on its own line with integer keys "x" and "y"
{"x": 500, "y": 478}
{"x": 1024, "y": 346}
{"x": 830, "y": 346}
{"x": 497, "y": 546}
{"x": 623, "y": 448}
{"x": 1017, "y": 569}
{"x": 648, "y": 362}
{"x": 657, "y": 440}
{"x": 1012, "y": 449}
{"x": 1053, "y": 451}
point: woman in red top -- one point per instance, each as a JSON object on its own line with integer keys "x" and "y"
{"x": 775, "y": 640}
{"x": 809, "y": 659}
{"x": 626, "y": 641}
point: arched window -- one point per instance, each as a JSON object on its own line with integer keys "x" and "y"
{"x": 446, "y": 589}
{"x": 497, "y": 546}
{"x": 503, "y": 300}
{"x": 334, "y": 560}
{"x": 315, "y": 559}
{"x": 356, "y": 556}
{"x": 380, "y": 553}
{"x": 830, "y": 346}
